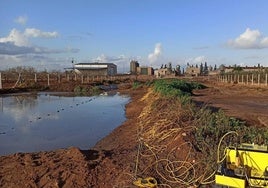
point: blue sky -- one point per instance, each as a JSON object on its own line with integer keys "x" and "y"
{"x": 48, "y": 34}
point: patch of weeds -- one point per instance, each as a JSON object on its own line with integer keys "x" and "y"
{"x": 81, "y": 90}
{"x": 136, "y": 85}
{"x": 177, "y": 88}
{"x": 95, "y": 90}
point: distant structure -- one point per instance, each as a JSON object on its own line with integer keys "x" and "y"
{"x": 235, "y": 68}
{"x": 201, "y": 70}
{"x": 136, "y": 69}
{"x": 133, "y": 67}
{"x": 96, "y": 69}
{"x": 193, "y": 71}
{"x": 167, "y": 71}
{"x": 144, "y": 70}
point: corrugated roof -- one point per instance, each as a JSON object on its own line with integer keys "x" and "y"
{"x": 96, "y": 63}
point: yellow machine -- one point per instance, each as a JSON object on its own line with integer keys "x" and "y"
{"x": 244, "y": 166}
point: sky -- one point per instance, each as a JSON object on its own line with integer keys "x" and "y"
{"x": 49, "y": 34}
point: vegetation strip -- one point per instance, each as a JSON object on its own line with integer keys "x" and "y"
{"x": 181, "y": 147}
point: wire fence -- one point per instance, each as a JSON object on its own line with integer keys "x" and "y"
{"x": 13, "y": 80}
{"x": 257, "y": 79}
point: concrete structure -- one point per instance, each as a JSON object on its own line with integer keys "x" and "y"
{"x": 145, "y": 70}
{"x": 163, "y": 72}
{"x": 96, "y": 69}
{"x": 133, "y": 67}
{"x": 193, "y": 71}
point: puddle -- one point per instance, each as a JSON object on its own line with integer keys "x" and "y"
{"x": 47, "y": 121}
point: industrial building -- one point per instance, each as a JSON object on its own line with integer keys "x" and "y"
{"x": 133, "y": 67}
{"x": 136, "y": 69}
{"x": 96, "y": 69}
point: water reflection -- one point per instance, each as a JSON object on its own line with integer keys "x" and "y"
{"x": 46, "y": 121}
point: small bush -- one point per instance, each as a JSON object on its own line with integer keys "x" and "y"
{"x": 136, "y": 85}
{"x": 177, "y": 88}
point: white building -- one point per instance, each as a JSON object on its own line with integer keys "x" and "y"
{"x": 96, "y": 69}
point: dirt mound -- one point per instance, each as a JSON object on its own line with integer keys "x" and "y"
{"x": 59, "y": 168}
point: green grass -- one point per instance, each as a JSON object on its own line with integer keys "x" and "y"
{"x": 176, "y": 88}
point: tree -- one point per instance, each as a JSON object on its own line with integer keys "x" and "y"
{"x": 201, "y": 69}
{"x": 205, "y": 69}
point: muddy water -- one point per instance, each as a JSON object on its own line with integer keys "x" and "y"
{"x": 47, "y": 121}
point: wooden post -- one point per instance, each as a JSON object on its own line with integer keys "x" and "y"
{"x": 242, "y": 79}
{"x": 35, "y": 77}
{"x": 1, "y": 87}
{"x": 247, "y": 79}
{"x": 48, "y": 79}
{"x": 252, "y": 79}
{"x": 58, "y": 78}
{"x": 259, "y": 79}
{"x": 235, "y": 78}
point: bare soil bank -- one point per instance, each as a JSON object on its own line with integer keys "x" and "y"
{"x": 111, "y": 163}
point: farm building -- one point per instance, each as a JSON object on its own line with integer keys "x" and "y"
{"x": 193, "y": 71}
{"x": 96, "y": 69}
{"x": 144, "y": 70}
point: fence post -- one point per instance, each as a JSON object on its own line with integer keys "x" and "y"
{"x": 59, "y": 78}
{"x": 242, "y": 78}
{"x": 259, "y": 78}
{"x": 252, "y": 79}
{"x": 2, "y": 87}
{"x": 35, "y": 78}
{"x": 266, "y": 79}
{"x": 247, "y": 79}
{"x": 48, "y": 79}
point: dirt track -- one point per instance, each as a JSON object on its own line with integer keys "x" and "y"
{"x": 111, "y": 162}
{"x": 249, "y": 104}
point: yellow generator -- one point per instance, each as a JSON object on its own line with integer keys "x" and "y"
{"x": 244, "y": 166}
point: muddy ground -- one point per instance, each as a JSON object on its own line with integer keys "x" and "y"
{"x": 112, "y": 162}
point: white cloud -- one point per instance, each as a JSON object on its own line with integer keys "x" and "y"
{"x": 21, "y": 20}
{"x": 152, "y": 57}
{"x": 110, "y": 59}
{"x": 16, "y": 49}
{"x": 122, "y": 61}
{"x": 19, "y": 38}
{"x": 197, "y": 60}
{"x": 16, "y": 37}
{"x": 32, "y": 32}
{"x": 250, "y": 39}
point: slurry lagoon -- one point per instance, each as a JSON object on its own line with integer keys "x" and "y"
{"x": 48, "y": 121}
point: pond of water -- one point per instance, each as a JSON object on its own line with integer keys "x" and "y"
{"x": 47, "y": 121}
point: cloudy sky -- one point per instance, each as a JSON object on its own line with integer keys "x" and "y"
{"x": 48, "y": 34}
